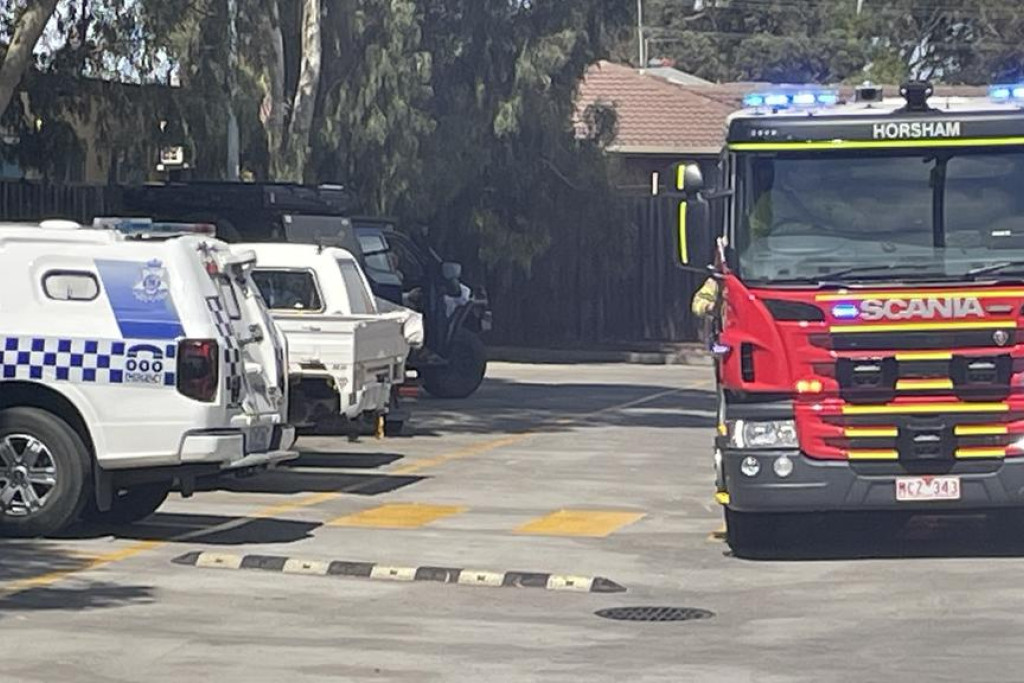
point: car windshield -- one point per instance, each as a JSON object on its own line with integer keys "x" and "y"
{"x": 922, "y": 215}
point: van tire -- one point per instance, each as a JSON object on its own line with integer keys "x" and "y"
{"x": 131, "y": 504}
{"x": 65, "y": 453}
{"x": 465, "y": 370}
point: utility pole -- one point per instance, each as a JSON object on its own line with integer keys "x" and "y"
{"x": 640, "y": 33}
{"x": 232, "y": 160}
{"x": 860, "y": 5}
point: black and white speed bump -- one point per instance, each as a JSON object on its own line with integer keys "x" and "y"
{"x": 378, "y": 572}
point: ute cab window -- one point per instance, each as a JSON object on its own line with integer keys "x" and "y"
{"x": 289, "y": 290}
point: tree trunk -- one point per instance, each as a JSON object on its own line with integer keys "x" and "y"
{"x": 275, "y": 106}
{"x": 304, "y": 105}
{"x": 19, "y": 53}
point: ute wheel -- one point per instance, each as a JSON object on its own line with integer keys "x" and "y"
{"x": 130, "y": 505}
{"x": 467, "y": 365}
{"x": 45, "y": 473}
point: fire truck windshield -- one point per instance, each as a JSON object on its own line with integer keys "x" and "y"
{"x": 916, "y": 214}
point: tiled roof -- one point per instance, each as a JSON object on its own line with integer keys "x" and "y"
{"x": 656, "y": 116}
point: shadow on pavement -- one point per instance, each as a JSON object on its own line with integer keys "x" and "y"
{"x": 853, "y": 537}
{"x": 345, "y": 461}
{"x": 502, "y": 406}
{"x": 166, "y": 527}
{"x": 288, "y": 482}
{"x": 22, "y": 559}
{"x": 85, "y": 596}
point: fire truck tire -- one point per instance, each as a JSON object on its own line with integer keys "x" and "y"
{"x": 45, "y": 473}
{"x": 467, "y": 365}
{"x": 130, "y": 505}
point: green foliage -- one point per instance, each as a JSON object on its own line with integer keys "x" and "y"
{"x": 969, "y": 41}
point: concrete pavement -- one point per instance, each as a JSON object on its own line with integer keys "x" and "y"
{"x": 568, "y": 470}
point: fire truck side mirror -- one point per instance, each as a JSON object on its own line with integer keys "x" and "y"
{"x": 694, "y": 246}
{"x": 680, "y": 179}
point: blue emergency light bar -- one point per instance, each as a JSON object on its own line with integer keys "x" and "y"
{"x": 146, "y": 227}
{"x": 1007, "y": 93}
{"x": 791, "y": 99}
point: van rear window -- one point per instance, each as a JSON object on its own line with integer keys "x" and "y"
{"x": 289, "y": 290}
{"x": 66, "y": 285}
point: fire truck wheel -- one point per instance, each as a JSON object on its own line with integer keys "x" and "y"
{"x": 467, "y": 365}
{"x": 44, "y": 473}
{"x": 131, "y": 505}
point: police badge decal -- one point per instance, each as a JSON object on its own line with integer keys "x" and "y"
{"x": 152, "y": 284}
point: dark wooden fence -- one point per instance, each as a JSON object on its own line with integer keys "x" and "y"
{"x": 33, "y": 200}
{"x": 587, "y": 290}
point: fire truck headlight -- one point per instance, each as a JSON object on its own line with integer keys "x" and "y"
{"x": 763, "y": 434}
{"x": 750, "y": 466}
{"x": 783, "y": 467}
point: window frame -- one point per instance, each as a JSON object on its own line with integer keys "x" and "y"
{"x": 64, "y": 272}
{"x": 316, "y": 285}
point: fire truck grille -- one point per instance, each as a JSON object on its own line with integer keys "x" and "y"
{"x": 897, "y": 341}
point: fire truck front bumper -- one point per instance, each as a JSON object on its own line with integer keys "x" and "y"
{"x": 789, "y": 481}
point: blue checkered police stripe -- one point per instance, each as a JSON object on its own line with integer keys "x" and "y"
{"x": 232, "y": 352}
{"x": 88, "y": 361}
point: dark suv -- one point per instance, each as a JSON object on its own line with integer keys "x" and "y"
{"x": 405, "y": 269}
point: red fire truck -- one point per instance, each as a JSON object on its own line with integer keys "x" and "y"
{"x": 869, "y": 261}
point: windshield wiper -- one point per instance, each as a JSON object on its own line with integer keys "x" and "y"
{"x": 994, "y": 268}
{"x": 881, "y": 267}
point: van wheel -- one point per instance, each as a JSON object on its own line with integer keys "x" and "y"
{"x": 130, "y": 505}
{"x": 465, "y": 370}
{"x": 44, "y": 473}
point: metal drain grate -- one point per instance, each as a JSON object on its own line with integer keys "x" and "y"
{"x": 655, "y": 613}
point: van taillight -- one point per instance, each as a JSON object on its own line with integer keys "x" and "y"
{"x": 198, "y": 369}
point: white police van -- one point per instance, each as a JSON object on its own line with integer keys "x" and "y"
{"x": 129, "y": 360}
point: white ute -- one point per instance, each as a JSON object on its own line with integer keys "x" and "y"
{"x": 344, "y": 356}
{"x": 128, "y": 363}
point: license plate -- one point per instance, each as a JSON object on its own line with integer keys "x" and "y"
{"x": 258, "y": 440}
{"x": 927, "y": 488}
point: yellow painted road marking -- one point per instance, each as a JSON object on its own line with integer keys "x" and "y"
{"x": 590, "y": 523}
{"x": 468, "y": 452}
{"x": 50, "y": 578}
{"x": 398, "y": 516}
